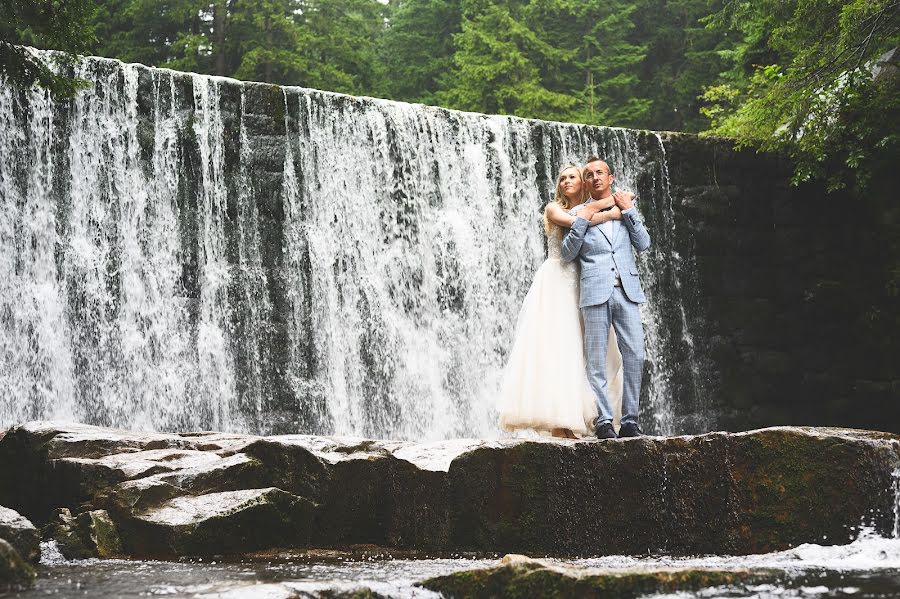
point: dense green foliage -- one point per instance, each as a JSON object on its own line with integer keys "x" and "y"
{"x": 56, "y": 24}
{"x": 807, "y": 80}
{"x": 786, "y": 75}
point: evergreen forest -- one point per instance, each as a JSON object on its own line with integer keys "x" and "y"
{"x": 813, "y": 78}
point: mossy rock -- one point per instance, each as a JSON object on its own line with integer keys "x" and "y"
{"x": 15, "y": 572}
{"x": 100, "y": 533}
{"x": 62, "y": 529}
{"x": 91, "y": 534}
{"x": 19, "y": 532}
{"x": 517, "y": 576}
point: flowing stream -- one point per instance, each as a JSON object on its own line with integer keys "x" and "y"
{"x": 869, "y": 567}
{"x": 182, "y": 252}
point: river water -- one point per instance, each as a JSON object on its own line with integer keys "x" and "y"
{"x": 866, "y": 568}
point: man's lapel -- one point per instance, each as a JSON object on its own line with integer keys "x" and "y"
{"x": 604, "y": 234}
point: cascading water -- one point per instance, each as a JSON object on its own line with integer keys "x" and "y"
{"x": 896, "y": 488}
{"x": 183, "y": 252}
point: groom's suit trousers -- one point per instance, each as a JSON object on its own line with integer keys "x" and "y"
{"x": 625, "y": 317}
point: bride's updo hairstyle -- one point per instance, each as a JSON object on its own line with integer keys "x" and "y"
{"x": 561, "y": 199}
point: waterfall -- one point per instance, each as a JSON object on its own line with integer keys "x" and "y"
{"x": 181, "y": 252}
{"x": 896, "y": 488}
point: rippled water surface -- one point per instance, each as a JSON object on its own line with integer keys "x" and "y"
{"x": 869, "y": 567}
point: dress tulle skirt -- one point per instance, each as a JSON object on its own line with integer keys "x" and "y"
{"x": 545, "y": 384}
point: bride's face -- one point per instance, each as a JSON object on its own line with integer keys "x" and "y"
{"x": 570, "y": 183}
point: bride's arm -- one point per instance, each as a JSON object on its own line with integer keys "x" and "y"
{"x": 560, "y": 217}
{"x": 613, "y": 213}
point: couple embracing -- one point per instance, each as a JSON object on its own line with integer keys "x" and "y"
{"x": 575, "y": 374}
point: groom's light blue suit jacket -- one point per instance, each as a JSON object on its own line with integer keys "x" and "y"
{"x": 601, "y": 256}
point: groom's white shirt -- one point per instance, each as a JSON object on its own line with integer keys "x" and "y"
{"x": 609, "y": 230}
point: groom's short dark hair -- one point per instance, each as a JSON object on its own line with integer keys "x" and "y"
{"x": 598, "y": 159}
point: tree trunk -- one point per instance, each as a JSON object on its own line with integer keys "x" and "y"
{"x": 590, "y": 83}
{"x": 267, "y": 77}
{"x": 219, "y": 13}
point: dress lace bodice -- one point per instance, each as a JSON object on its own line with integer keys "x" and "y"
{"x": 568, "y": 270}
{"x": 554, "y": 246}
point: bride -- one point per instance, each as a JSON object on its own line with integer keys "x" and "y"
{"x": 545, "y": 384}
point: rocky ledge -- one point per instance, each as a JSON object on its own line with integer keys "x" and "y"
{"x": 109, "y": 492}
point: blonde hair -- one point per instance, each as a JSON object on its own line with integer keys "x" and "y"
{"x": 561, "y": 199}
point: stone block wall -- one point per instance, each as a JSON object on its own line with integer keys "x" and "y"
{"x": 796, "y": 290}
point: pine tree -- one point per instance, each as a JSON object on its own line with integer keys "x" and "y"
{"x": 417, "y": 48}
{"x": 497, "y": 66}
{"x": 684, "y": 56}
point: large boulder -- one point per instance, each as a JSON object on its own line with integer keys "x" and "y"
{"x": 19, "y": 532}
{"x": 15, "y": 572}
{"x": 165, "y": 495}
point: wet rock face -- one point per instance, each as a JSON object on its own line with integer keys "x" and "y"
{"x": 164, "y": 495}
{"x": 19, "y": 532}
{"x": 717, "y": 493}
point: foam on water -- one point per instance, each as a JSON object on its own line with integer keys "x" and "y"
{"x": 868, "y": 552}
{"x": 867, "y": 567}
{"x": 50, "y": 553}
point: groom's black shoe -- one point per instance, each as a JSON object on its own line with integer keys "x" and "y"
{"x": 630, "y": 429}
{"x": 605, "y": 431}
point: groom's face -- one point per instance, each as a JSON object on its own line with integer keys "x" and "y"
{"x": 597, "y": 178}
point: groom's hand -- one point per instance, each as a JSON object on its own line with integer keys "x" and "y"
{"x": 624, "y": 200}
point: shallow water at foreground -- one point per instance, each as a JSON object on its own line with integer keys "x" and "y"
{"x": 867, "y": 568}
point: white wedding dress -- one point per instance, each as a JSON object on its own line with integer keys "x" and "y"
{"x": 545, "y": 384}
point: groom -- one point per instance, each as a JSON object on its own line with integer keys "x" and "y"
{"x": 610, "y": 295}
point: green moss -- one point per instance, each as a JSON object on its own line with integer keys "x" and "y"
{"x": 276, "y": 103}
{"x": 99, "y": 532}
{"x": 489, "y": 582}
{"x": 531, "y": 578}
{"x": 792, "y": 485}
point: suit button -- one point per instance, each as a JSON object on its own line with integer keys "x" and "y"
{"x": 612, "y": 269}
